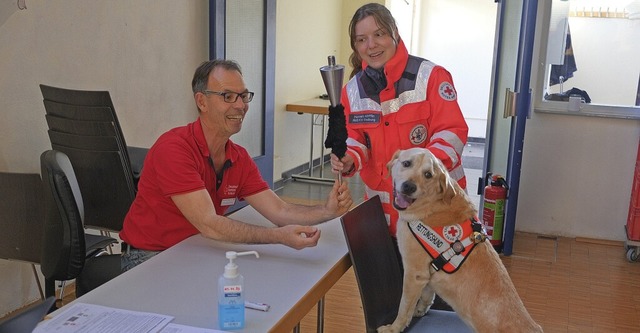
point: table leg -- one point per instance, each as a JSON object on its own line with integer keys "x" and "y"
{"x": 310, "y": 177}
{"x": 313, "y": 124}
{"x": 35, "y": 273}
{"x": 320, "y": 328}
{"x": 324, "y": 132}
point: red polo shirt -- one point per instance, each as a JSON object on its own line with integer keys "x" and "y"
{"x": 179, "y": 163}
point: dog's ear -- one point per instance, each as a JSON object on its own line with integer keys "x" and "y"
{"x": 446, "y": 186}
{"x": 392, "y": 162}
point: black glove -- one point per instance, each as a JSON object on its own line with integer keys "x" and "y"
{"x": 337, "y": 132}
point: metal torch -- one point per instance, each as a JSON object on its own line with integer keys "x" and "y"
{"x": 332, "y": 75}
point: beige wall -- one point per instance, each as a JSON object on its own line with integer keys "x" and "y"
{"x": 576, "y": 176}
{"x": 303, "y": 43}
{"x": 126, "y": 48}
{"x": 143, "y": 52}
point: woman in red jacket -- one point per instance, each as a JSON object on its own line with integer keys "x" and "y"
{"x": 395, "y": 101}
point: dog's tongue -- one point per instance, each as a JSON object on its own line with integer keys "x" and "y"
{"x": 402, "y": 201}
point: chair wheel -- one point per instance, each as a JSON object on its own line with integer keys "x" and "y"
{"x": 632, "y": 255}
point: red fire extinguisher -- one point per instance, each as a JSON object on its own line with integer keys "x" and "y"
{"x": 495, "y": 196}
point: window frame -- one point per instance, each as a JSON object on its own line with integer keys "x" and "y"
{"x": 540, "y": 67}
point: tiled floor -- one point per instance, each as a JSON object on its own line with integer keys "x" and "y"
{"x": 576, "y": 285}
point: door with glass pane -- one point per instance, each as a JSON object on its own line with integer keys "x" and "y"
{"x": 244, "y": 31}
{"x": 510, "y": 101}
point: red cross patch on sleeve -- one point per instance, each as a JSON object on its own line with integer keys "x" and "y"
{"x": 447, "y": 92}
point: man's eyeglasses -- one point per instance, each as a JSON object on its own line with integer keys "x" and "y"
{"x": 232, "y": 97}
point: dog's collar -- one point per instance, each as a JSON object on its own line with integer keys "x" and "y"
{"x": 450, "y": 245}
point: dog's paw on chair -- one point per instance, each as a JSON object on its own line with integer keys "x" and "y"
{"x": 423, "y": 306}
{"x": 388, "y": 329}
{"x": 421, "y": 309}
{"x": 440, "y": 304}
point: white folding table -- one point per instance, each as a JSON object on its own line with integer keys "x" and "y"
{"x": 182, "y": 280}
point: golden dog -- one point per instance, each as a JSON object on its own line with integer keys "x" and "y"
{"x": 479, "y": 290}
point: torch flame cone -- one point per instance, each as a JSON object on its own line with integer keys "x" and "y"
{"x": 332, "y": 75}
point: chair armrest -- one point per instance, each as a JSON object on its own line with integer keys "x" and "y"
{"x": 136, "y": 157}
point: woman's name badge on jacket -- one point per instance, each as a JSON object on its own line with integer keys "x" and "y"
{"x": 228, "y": 202}
{"x": 364, "y": 118}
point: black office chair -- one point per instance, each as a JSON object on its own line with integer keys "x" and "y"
{"x": 25, "y": 320}
{"x": 21, "y": 219}
{"x": 379, "y": 273}
{"x": 67, "y": 250}
{"x": 84, "y": 126}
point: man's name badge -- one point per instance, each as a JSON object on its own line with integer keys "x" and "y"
{"x": 228, "y": 202}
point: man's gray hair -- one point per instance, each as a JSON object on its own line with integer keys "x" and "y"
{"x": 201, "y": 76}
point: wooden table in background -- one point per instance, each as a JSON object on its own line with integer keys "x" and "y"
{"x": 317, "y": 108}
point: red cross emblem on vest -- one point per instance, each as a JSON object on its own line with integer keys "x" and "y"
{"x": 452, "y": 233}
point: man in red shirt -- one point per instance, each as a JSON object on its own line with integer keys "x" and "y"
{"x": 194, "y": 173}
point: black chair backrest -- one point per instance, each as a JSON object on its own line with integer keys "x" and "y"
{"x": 25, "y": 320}
{"x": 64, "y": 251}
{"x": 81, "y": 127}
{"x": 21, "y": 216}
{"x": 375, "y": 262}
{"x": 98, "y": 99}
{"x": 83, "y": 124}
{"x": 107, "y": 188}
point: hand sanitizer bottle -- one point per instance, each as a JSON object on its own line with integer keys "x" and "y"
{"x": 231, "y": 294}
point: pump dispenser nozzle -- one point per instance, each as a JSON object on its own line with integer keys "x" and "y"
{"x": 231, "y": 269}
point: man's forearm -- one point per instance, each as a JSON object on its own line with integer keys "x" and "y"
{"x": 233, "y": 231}
{"x": 304, "y": 215}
